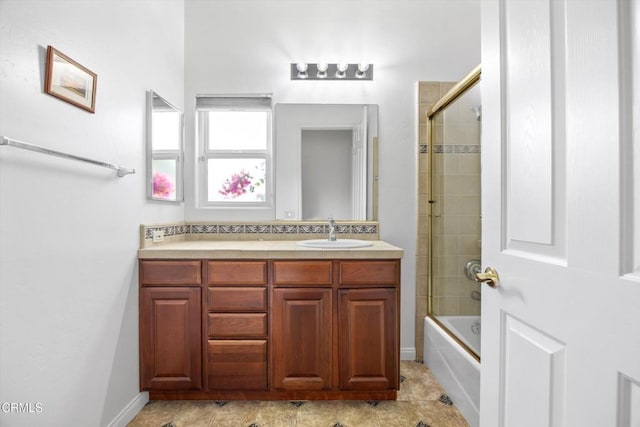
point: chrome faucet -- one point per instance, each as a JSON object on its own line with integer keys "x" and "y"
{"x": 332, "y": 230}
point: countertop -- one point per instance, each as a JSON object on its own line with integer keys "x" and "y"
{"x": 263, "y": 249}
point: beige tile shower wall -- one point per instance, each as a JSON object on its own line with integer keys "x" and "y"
{"x": 457, "y": 192}
{"x": 428, "y": 94}
{"x": 456, "y": 232}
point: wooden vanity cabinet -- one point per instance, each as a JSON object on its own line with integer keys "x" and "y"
{"x": 335, "y": 325}
{"x": 369, "y": 333}
{"x": 170, "y": 334}
{"x": 236, "y": 354}
{"x": 270, "y": 329}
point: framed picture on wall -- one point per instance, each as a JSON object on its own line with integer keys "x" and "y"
{"x": 67, "y": 80}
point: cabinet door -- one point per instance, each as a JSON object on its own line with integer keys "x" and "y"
{"x": 170, "y": 338}
{"x": 302, "y": 337}
{"x": 368, "y": 339}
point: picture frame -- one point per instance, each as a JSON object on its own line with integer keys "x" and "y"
{"x": 68, "y": 80}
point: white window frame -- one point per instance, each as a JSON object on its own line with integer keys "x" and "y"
{"x": 208, "y": 103}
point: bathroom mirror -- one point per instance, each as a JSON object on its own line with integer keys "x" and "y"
{"x": 326, "y": 161}
{"x": 165, "y": 136}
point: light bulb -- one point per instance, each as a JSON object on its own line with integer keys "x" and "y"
{"x": 362, "y": 71}
{"x": 322, "y": 70}
{"x": 302, "y": 70}
{"x": 342, "y": 70}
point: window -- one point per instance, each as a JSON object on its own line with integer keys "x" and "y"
{"x": 235, "y": 151}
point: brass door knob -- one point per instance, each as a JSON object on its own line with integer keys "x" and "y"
{"x": 490, "y": 277}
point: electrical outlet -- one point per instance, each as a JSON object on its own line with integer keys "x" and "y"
{"x": 158, "y": 236}
{"x": 289, "y": 214}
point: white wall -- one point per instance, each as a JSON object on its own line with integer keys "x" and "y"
{"x": 246, "y": 46}
{"x": 68, "y": 275}
{"x": 326, "y": 174}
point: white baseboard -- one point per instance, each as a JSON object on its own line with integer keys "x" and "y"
{"x": 408, "y": 353}
{"x": 130, "y": 411}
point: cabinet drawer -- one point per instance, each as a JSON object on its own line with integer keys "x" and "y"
{"x": 237, "y": 325}
{"x": 302, "y": 273}
{"x": 237, "y": 298}
{"x": 170, "y": 273}
{"x": 366, "y": 273}
{"x": 237, "y": 364}
{"x": 231, "y": 273}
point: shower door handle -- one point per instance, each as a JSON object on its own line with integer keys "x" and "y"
{"x": 490, "y": 277}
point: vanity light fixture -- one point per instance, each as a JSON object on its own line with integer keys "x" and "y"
{"x": 336, "y": 71}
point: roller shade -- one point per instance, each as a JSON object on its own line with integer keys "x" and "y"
{"x": 209, "y": 102}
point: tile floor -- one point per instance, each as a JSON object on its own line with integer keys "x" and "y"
{"x": 421, "y": 403}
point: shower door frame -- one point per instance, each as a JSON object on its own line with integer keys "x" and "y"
{"x": 451, "y": 96}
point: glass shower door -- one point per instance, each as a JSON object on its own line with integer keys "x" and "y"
{"x": 455, "y": 222}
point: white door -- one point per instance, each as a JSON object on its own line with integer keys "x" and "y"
{"x": 561, "y": 131}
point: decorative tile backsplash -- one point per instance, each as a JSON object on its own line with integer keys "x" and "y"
{"x": 367, "y": 230}
{"x": 169, "y": 230}
{"x": 451, "y": 149}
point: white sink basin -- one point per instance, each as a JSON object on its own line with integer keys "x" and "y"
{"x": 335, "y": 244}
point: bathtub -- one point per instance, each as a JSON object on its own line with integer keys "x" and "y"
{"x": 455, "y": 369}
